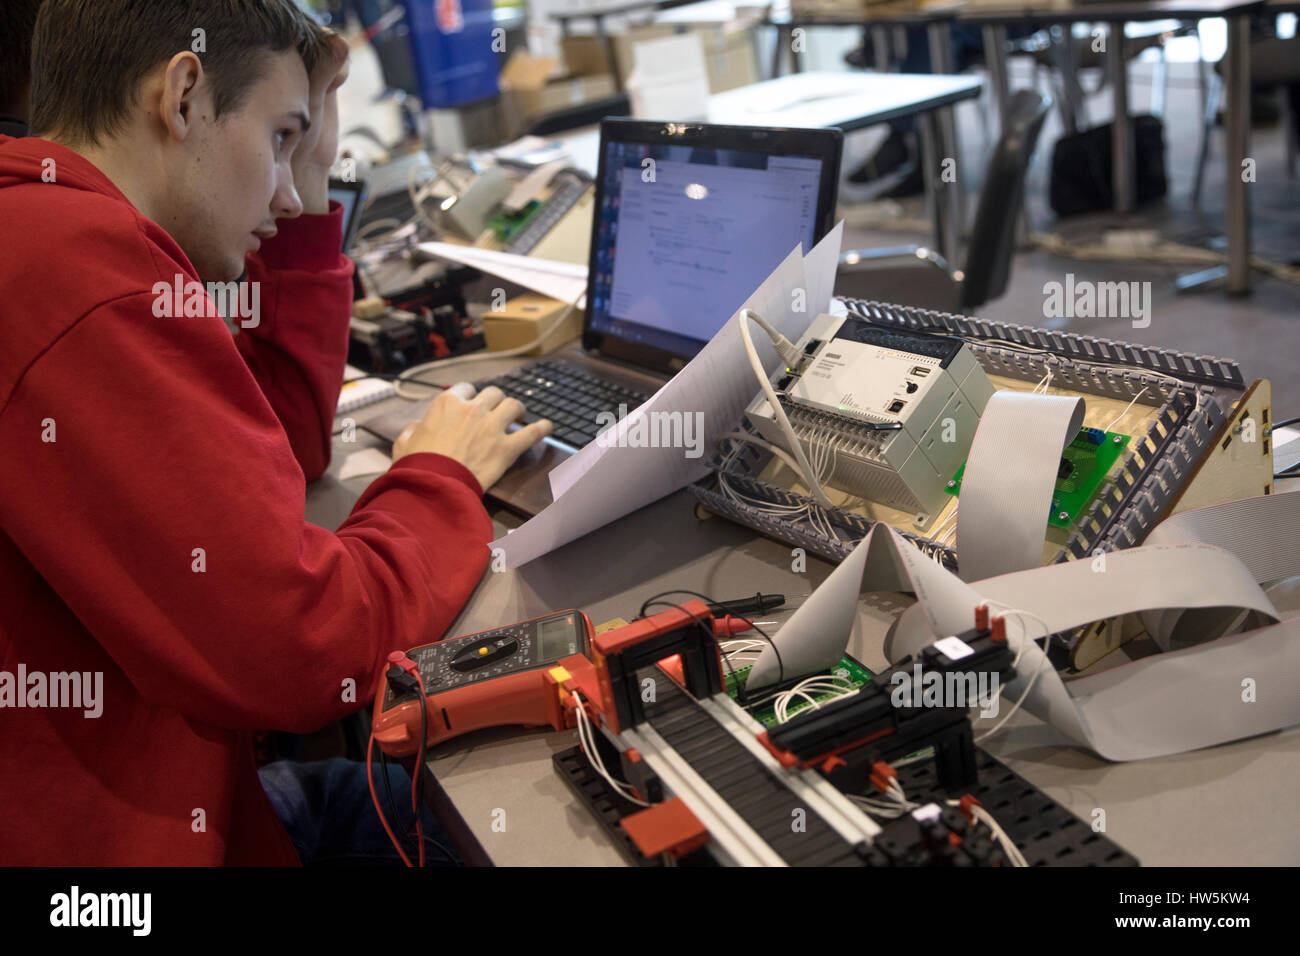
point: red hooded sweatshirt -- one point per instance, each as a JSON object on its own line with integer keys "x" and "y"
{"x": 152, "y": 488}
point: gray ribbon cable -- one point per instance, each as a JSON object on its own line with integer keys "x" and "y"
{"x": 1197, "y": 583}
{"x": 1006, "y": 490}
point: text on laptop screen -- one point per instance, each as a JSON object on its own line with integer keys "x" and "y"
{"x": 683, "y": 241}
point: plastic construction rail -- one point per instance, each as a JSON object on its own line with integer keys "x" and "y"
{"x": 1204, "y": 369}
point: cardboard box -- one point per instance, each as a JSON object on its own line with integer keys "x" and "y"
{"x": 729, "y": 55}
{"x": 585, "y": 56}
{"x": 519, "y": 321}
{"x": 528, "y": 90}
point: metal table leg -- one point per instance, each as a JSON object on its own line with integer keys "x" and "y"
{"x": 939, "y": 34}
{"x": 781, "y": 33}
{"x": 1236, "y": 144}
{"x": 995, "y": 60}
{"x": 1235, "y": 149}
{"x": 933, "y": 205}
{"x": 1066, "y": 58}
{"x": 880, "y": 47}
{"x": 1121, "y": 142}
{"x": 607, "y": 46}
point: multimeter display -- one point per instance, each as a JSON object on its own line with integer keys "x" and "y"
{"x": 558, "y": 637}
{"x": 479, "y": 657}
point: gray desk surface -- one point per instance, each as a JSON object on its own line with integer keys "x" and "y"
{"x": 1233, "y": 804}
{"x": 846, "y": 101}
{"x": 1029, "y": 13}
{"x": 898, "y": 13}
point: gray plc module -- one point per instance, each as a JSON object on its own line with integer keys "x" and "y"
{"x": 927, "y": 392}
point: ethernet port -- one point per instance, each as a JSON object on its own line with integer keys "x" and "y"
{"x": 896, "y": 406}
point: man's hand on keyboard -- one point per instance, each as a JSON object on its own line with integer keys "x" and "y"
{"x": 473, "y": 432}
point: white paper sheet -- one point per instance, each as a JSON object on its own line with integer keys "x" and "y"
{"x": 669, "y": 80}
{"x": 604, "y": 482}
{"x": 565, "y": 281}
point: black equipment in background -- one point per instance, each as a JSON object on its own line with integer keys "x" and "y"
{"x": 1081, "y": 167}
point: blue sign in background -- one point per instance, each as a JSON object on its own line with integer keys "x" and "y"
{"x": 457, "y": 67}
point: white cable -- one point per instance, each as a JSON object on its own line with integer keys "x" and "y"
{"x": 1024, "y": 641}
{"x": 815, "y": 488}
{"x": 784, "y": 347}
{"x": 934, "y": 532}
{"x": 589, "y": 745}
{"x": 766, "y": 445}
{"x": 1130, "y": 405}
{"x": 1004, "y": 839}
{"x": 825, "y": 684}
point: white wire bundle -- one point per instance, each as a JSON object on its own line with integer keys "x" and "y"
{"x": 742, "y": 647}
{"x": 814, "y": 514}
{"x": 805, "y": 467}
{"x": 785, "y": 512}
{"x": 891, "y": 804}
{"x": 1025, "y": 640}
{"x": 823, "y": 684}
{"x": 1004, "y": 840}
{"x": 586, "y": 735}
{"x": 951, "y": 533}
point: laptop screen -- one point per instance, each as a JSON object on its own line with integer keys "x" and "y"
{"x": 685, "y": 233}
{"x": 350, "y": 195}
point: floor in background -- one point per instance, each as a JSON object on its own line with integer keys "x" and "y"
{"x": 1261, "y": 332}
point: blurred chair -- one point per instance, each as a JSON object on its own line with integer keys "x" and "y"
{"x": 917, "y": 276}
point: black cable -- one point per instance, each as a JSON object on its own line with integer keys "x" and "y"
{"x": 388, "y": 787}
{"x": 392, "y": 809}
{"x": 735, "y": 678}
{"x": 740, "y": 691}
{"x": 707, "y": 600}
{"x": 1284, "y": 423}
{"x": 418, "y": 783}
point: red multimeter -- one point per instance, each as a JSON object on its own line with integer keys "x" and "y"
{"x": 488, "y": 679}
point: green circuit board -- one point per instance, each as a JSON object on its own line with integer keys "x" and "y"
{"x": 1085, "y": 463}
{"x": 847, "y": 668}
{"x": 507, "y": 225}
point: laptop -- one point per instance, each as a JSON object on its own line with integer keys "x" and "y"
{"x": 689, "y": 219}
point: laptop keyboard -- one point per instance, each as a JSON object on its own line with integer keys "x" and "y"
{"x": 569, "y": 395}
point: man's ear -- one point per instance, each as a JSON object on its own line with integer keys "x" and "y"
{"x": 182, "y": 87}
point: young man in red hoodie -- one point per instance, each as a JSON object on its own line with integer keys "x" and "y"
{"x": 161, "y": 595}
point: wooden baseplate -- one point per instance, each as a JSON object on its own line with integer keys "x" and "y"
{"x": 1239, "y": 464}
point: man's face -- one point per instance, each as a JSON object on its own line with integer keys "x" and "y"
{"x": 235, "y": 177}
